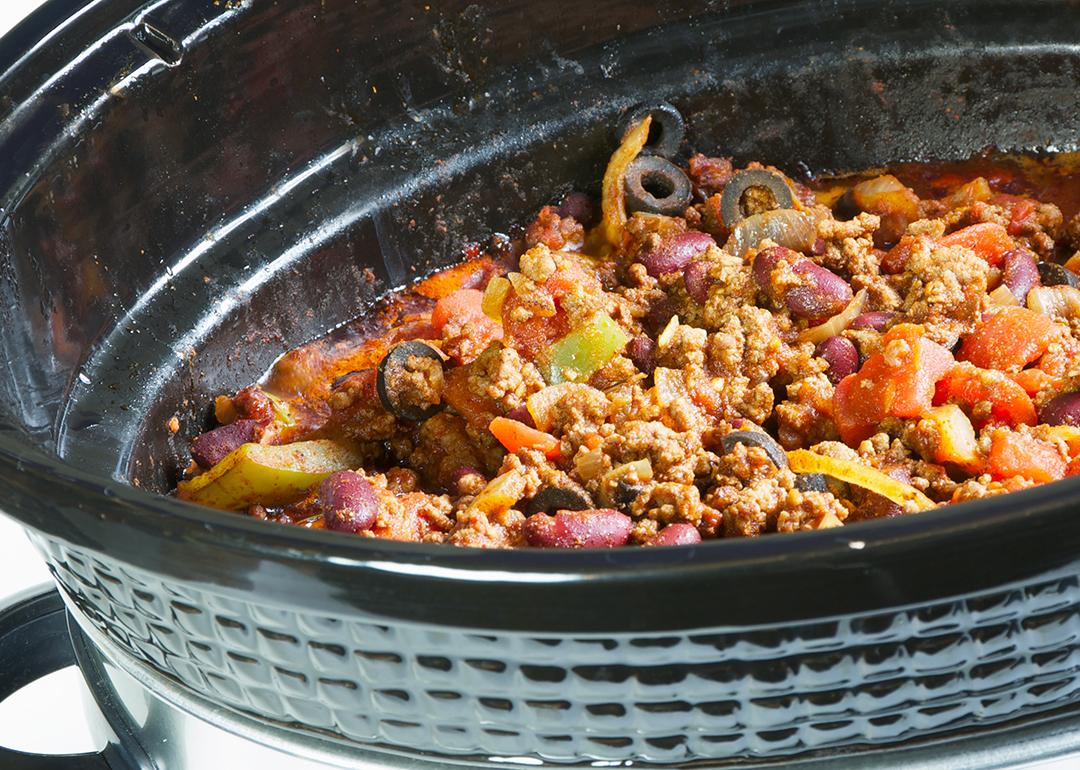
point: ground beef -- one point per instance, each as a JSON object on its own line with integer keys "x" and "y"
{"x": 563, "y": 364}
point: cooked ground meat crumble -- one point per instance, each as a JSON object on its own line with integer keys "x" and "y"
{"x": 707, "y": 351}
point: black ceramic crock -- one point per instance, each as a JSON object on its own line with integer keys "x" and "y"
{"x": 188, "y": 188}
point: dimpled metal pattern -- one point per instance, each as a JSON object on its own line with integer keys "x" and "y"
{"x": 708, "y": 693}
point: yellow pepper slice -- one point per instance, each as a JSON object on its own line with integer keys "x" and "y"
{"x": 805, "y": 461}
{"x": 613, "y": 197}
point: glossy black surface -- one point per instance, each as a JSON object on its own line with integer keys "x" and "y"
{"x": 168, "y": 232}
{"x": 188, "y": 192}
{"x": 205, "y": 187}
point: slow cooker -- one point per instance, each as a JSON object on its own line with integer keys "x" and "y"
{"x": 190, "y": 187}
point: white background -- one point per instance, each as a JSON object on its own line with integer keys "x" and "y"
{"x": 48, "y": 717}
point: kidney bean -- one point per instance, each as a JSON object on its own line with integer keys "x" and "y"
{"x": 210, "y": 448}
{"x": 348, "y": 502}
{"x": 641, "y": 350}
{"x": 696, "y": 280}
{"x": 599, "y": 528}
{"x": 521, "y": 414}
{"x": 767, "y": 259}
{"x": 1021, "y": 274}
{"x": 659, "y": 313}
{"x": 873, "y": 319}
{"x": 1062, "y": 410}
{"x": 676, "y": 534}
{"x": 675, "y": 253}
{"x": 842, "y": 357}
{"x": 823, "y": 294}
{"x": 581, "y": 207}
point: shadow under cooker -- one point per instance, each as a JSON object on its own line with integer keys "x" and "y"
{"x": 178, "y": 198}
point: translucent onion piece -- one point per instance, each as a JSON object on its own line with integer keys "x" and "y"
{"x": 956, "y": 442}
{"x": 541, "y": 404}
{"x": 501, "y": 493}
{"x": 836, "y": 324}
{"x": 787, "y": 227}
{"x": 1002, "y": 296}
{"x": 633, "y": 472}
{"x": 1061, "y": 303}
{"x": 861, "y": 475}
{"x": 613, "y": 196}
{"x": 589, "y": 464}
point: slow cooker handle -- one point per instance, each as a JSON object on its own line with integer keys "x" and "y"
{"x": 34, "y": 642}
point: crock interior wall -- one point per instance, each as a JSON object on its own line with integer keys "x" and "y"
{"x": 304, "y": 142}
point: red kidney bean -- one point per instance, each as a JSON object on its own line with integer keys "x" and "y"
{"x": 1021, "y": 274}
{"x": 675, "y": 253}
{"x": 522, "y": 415}
{"x": 658, "y": 315}
{"x": 873, "y": 319}
{"x": 1062, "y": 410}
{"x": 823, "y": 294}
{"x": 676, "y": 534}
{"x": 641, "y": 351}
{"x": 348, "y": 502}
{"x": 210, "y": 448}
{"x": 842, "y": 357}
{"x": 767, "y": 259}
{"x": 599, "y": 528}
{"x": 696, "y": 280}
{"x": 581, "y": 207}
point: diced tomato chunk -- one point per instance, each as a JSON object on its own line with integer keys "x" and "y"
{"x": 1009, "y": 339}
{"x": 1022, "y": 216}
{"x": 1034, "y": 380}
{"x": 458, "y": 306}
{"x": 987, "y": 239}
{"x": 1018, "y": 454}
{"x": 898, "y": 382}
{"x": 988, "y": 396}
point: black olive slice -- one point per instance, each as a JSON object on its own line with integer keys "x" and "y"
{"x": 1053, "y": 274}
{"x": 758, "y": 439}
{"x": 393, "y": 385}
{"x": 811, "y": 482}
{"x": 753, "y": 191}
{"x": 625, "y": 493}
{"x": 657, "y": 186}
{"x": 666, "y": 132}
{"x": 552, "y": 499}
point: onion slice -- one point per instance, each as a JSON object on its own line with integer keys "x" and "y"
{"x": 1060, "y": 303}
{"x": 836, "y": 324}
{"x": 787, "y": 227}
{"x": 861, "y": 475}
{"x": 1002, "y": 296}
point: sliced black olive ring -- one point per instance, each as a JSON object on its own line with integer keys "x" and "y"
{"x": 753, "y": 191}
{"x": 1053, "y": 274}
{"x": 553, "y": 499}
{"x": 392, "y": 386}
{"x": 666, "y": 132}
{"x": 804, "y": 482}
{"x": 657, "y": 186}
